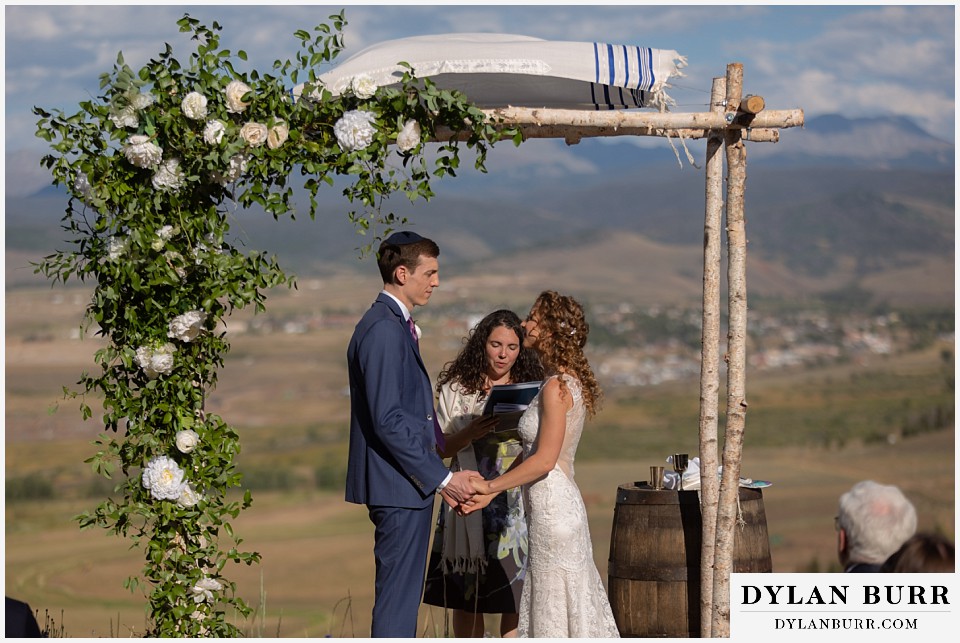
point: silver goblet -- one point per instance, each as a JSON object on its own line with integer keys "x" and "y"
{"x": 680, "y": 462}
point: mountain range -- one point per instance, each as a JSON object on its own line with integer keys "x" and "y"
{"x": 840, "y": 208}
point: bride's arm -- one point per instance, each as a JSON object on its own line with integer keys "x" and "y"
{"x": 553, "y": 422}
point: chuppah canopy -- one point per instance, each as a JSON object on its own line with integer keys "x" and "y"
{"x": 499, "y": 70}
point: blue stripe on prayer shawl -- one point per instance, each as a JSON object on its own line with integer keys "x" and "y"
{"x": 596, "y": 61}
{"x": 611, "y": 68}
{"x": 642, "y": 68}
{"x": 626, "y": 67}
{"x": 652, "y": 72}
{"x": 642, "y": 79}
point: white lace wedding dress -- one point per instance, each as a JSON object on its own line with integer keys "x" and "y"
{"x": 563, "y": 595}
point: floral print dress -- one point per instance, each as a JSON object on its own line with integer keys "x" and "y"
{"x": 497, "y": 588}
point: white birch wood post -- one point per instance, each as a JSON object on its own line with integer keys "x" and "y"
{"x": 736, "y": 359}
{"x": 710, "y": 360}
{"x": 743, "y": 120}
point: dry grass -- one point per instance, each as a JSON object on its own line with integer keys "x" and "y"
{"x": 285, "y": 394}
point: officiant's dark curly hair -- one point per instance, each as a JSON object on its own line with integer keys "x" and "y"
{"x": 468, "y": 368}
{"x": 563, "y": 335}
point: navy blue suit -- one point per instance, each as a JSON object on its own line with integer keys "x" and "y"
{"x": 393, "y": 466}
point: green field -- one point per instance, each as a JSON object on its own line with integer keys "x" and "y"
{"x": 812, "y": 432}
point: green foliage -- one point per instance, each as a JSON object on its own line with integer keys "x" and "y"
{"x": 154, "y": 166}
{"x": 33, "y": 486}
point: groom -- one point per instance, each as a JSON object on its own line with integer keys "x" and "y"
{"x": 393, "y": 466}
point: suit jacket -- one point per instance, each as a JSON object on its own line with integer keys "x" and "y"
{"x": 393, "y": 460}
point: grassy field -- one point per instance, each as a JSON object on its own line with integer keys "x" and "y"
{"x": 813, "y": 433}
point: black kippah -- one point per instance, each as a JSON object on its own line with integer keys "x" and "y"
{"x": 403, "y": 238}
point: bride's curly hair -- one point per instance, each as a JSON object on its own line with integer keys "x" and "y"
{"x": 563, "y": 335}
{"x": 468, "y": 368}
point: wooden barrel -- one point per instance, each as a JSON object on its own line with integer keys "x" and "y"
{"x": 654, "y": 566}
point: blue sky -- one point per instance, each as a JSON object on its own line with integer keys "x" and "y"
{"x": 856, "y": 60}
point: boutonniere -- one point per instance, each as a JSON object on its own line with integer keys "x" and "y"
{"x": 417, "y": 329}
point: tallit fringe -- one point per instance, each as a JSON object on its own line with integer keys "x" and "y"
{"x": 464, "y": 565}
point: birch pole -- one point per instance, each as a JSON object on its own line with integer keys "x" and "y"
{"x": 710, "y": 360}
{"x": 736, "y": 359}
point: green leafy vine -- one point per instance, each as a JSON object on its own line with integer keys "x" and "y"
{"x": 155, "y": 166}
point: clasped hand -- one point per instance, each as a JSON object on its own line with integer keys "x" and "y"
{"x": 481, "y": 497}
{"x": 460, "y": 488}
{"x": 467, "y": 492}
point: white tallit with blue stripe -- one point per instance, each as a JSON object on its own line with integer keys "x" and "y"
{"x": 498, "y": 70}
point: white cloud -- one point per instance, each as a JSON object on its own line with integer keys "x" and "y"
{"x": 541, "y": 158}
{"x": 855, "y": 60}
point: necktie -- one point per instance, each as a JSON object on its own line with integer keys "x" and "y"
{"x": 413, "y": 331}
{"x": 437, "y": 431}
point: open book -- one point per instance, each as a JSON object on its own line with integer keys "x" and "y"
{"x": 509, "y": 401}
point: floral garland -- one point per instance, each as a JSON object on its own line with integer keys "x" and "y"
{"x": 151, "y": 167}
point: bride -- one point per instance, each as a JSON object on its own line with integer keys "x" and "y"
{"x": 563, "y": 595}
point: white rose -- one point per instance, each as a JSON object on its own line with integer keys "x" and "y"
{"x": 187, "y": 440}
{"x": 144, "y": 353}
{"x": 142, "y": 152}
{"x": 363, "y": 86}
{"x": 187, "y": 327}
{"x": 254, "y": 133}
{"x": 409, "y": 136}
{"x": 156, "y": 361}
{"x": 203, "y": 590}
{"x": 238, "y": 165}
{"x": 164, "y": 234}
{"x": 235, "y": 92}
{"x": 116, "y": 247}
{"x": 82, "y": 186}
{"x": 355, "y": 131}
{"x": 168, "y": 176}
{"x": 125, "y": 117}
{"x": 189, "y": 497}
{"x": 277, "y": 135}
{"x": 141, "y": 101}
{"x": 213, "y": 132}
{"x": 162, "y": 359}
{"x": 194, "y": 106}
{"x": 417, "y": 330}
{"x": 164, "y": 478}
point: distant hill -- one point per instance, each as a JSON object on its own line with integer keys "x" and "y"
{"x": 815, "y": 225}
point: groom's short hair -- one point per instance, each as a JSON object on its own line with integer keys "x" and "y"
{"x": 403, "y": 249}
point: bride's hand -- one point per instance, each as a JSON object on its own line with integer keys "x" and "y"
{"x": 476, "y": 503}
{"x": 481, "y": 486}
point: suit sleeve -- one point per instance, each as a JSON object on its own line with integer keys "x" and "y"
{"x": 394, "y": 386}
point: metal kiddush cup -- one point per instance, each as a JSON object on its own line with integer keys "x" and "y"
{"x": 656, "y": 478}
{"x": 680, "y": 462}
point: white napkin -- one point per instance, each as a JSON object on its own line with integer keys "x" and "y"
{"x": 691, "y": 477}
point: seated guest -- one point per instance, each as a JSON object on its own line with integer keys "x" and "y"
{"x": 19, "y": 621}
{"x": 874, "y": 520}
{"x": 923, "y": 552}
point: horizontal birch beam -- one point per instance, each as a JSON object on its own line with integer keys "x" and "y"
{"x": 574, "y": 125}
{"x": 780, "y": 118}
{"x": 574, "y": 134}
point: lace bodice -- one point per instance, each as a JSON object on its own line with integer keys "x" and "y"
{"x": 530, "y": 426}
{"x": 563, "y": 595}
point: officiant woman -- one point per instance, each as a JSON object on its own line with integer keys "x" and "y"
{"x": 478, "y": 561}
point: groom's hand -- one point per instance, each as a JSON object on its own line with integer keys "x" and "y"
{"x": 476, "y": 503}
{"x": 459, "y": 489}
